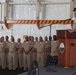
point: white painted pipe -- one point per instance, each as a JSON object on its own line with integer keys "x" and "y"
{"x": 34, "y": 3}
{"x": 11, "y": 12}
{"x": 1, "y": 12}
{"x": 38, "y": 9}
{"x": 5, "y": 9}
{"x": 71, "y": 9}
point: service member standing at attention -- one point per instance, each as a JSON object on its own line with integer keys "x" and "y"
{"x": 47, "y": 47}
{"x": 12, "y": 54}
{"x": 7, "y": 49}
{"x": 40, "y": 52}
{"x": 19, "y": 52}
{"x": 26, "y": 53}
{"x": 36, "y": 43}
{"x": 33, "y": 53}
{"x": 2, "y": 53}
{"x": 50, "y": 40}
{"x": 35, "y": 50}
{"x": 54, "y": 46}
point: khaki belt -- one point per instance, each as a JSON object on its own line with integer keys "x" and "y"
{"x": 39, "y": 52}
{"x": 12, "y": 52}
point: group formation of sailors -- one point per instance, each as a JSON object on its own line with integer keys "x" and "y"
{"x": 16, "y": 54}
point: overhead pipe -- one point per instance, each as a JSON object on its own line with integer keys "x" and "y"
{"x": 6, "y": 9}
{"x": 1, "y": 22}
{"x": 1, "y": 15}
{"x": 71, "y": 8}
{"x": 38, "y": 10}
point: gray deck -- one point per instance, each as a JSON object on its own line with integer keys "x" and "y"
{"x": 60, "y": 71}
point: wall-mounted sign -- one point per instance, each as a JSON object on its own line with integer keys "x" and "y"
{"x": 62, "y": 47}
